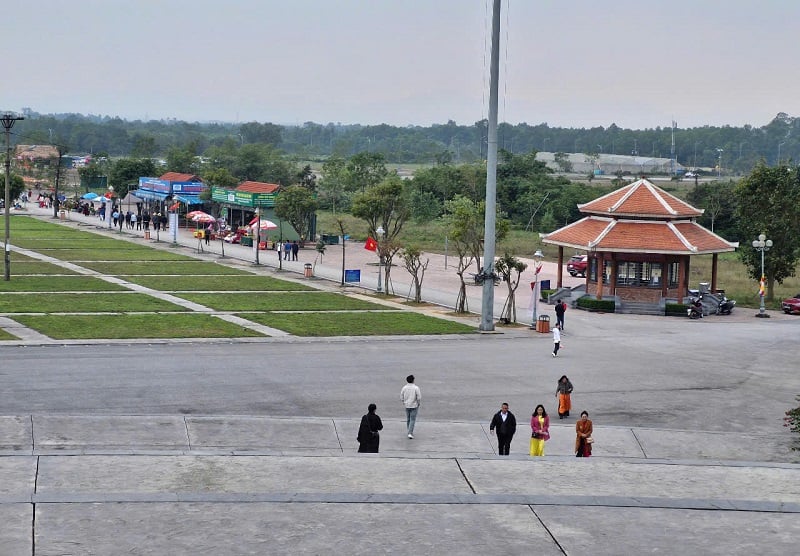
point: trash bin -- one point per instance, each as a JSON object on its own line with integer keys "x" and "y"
{"x": 543, "y": 324}
{"x": 62, "y": 214}
{"x": 308, "y": 270}
{"x": 147, "y": 234}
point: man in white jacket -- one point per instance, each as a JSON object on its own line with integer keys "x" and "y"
{"x": 411, "y": 398}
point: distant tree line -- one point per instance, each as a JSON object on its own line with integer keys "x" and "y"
{"x": 738, "y": 149}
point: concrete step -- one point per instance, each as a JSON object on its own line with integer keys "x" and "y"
{"x": 640, "y": 308}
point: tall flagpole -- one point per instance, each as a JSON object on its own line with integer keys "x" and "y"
{"x": 487, "y": 306}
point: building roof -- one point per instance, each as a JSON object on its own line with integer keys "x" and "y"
{"x": 640, "y": 199}
{"x": 258, "y": 187}
{"x": 598, "y": 233}
{"x": 640, "y": 218}
{"x": 177, "y": 176}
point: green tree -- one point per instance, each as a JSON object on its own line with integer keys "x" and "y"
{"x": 563, "y": 162}
{"x": 254, "y": 132}
{"x": 263, "y": 163}
{"x": 124, "y": 173}
{"x": 297, "y": 205}
{"x": 384, "y": 205}
{"x": 144, "y": 146}
{"x": 183, "y": 160}
{"x": 332, "y": 188}
{"x": 365, "y": 170}
{"x": 769, "y": 203}
{"x": 16, "y": 186}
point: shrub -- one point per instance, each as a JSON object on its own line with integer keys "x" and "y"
{"x": 592, "y": 304}
{"x": 792, "y": 420}
{"x": 545, "y": 293}
{"x": 672, "y": 309}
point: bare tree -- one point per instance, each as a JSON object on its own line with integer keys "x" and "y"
{"x": 510, "y": 269}
{"x": 412, "y": 260}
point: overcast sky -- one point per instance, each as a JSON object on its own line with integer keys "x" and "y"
{"x": 581, "y": 63}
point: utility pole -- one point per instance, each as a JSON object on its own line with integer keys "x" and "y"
{"x": 8, "y": 122}
{"x": 487, "y": 305}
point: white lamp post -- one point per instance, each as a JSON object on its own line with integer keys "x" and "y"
{"x": 762, "y": 244}
{"x": 537, "y": 259}
{"x": 379, "y": 232}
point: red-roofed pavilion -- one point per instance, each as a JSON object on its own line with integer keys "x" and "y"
{"x": 639, "y": 240}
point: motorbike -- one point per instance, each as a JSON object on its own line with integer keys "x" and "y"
{"x": 725, "y": 306}
{"x": 695, "y": 309}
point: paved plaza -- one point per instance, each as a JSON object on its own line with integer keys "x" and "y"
{"x": 248, "y": 447}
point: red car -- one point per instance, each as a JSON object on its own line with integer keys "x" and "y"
{"x": 791, "y": 305}
{"x": 577, "y": 265}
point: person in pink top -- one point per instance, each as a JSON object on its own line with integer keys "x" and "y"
{"x": 540, "y": 430}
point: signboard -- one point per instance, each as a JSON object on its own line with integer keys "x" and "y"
{"x": 242, "y": 198}
{"x": 352, "y": 276}
{"x": 155, "y": 184}
{"x": 188, "y": 187}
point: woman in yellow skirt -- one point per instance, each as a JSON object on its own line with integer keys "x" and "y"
{"x": 540, "y": 430}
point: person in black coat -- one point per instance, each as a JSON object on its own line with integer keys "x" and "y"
{"x": 505, "y": 425}
{"x": 368, "y": 436}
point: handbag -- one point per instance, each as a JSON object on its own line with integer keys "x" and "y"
{"x": 589, "y": 439}
{"x": 536, "y": 435}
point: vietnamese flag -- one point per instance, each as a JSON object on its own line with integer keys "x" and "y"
{"x": 371, "y": 244}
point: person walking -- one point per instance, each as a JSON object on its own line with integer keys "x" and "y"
{"x": 583, "y": 436}
{"x": 563, "y": 391}
{"x": 411, "y": 397}
{"x": 295, "y": 249}
{"x": 369, "y": 438}
{"x": 505, "y": 425}
{"x": 556, "y": 339}
{"x": 560, "y": 308}
{"x": 540, "y": 430}
{"x": 287, "y": 250}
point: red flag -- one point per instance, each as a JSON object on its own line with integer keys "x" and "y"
{"x": 538, "y": 269}
{"x": 371, "y": 244}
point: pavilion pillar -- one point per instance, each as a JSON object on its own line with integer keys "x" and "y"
{"x": 714, "y": 273}
{"x": 664, "y": 281}
{"x": 612, "y": 280}
{"x": 599, "y": 278}
{"x": 560, "y": 275}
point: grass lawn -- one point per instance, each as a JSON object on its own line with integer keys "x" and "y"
{"x": 77, "y": 327}
{"x": 135, "y": 254}
{"x": 37, "y": 267}
{"x": 216, "y": 283}
{"x": 6, "y": 336}
{"x": 97, "y": 242}
{"x": 358, "y": 324}
{"x": 157, "y": 267}
{"x": 84, "y": 303}
{"x": 57, "y": 284}
{"x": 284, "y": 301}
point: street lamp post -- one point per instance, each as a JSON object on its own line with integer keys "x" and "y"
{"x": 8, "y": 122}
{"x": 762, "y": 244}
{"x": 537, "y": 262}
{"x": 379, "y": 232}
{"x": 719, "y": 163}
{"x": 110, "y": 210}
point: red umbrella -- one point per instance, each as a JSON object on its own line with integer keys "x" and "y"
{"x": 203, "y": 218}
{"x": 191, "y": 215}
{"x": 265, "y": 224}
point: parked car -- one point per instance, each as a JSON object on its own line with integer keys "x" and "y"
{"x": 577, "y": 265}
{"x": 791, "y": 305}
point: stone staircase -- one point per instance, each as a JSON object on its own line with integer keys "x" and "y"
{"x": 640, "y": 308}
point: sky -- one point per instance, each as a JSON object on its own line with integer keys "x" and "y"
{"x": 583, "y": 63}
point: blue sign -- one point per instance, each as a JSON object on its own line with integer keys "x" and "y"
{"x": 352, "y": 276}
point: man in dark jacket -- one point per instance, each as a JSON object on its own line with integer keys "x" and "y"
{"x": 560, "y": 308}
{"x": 505, "y": 425}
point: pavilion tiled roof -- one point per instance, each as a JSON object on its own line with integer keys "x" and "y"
{"x": 596, "y": 233}
{"x": 177, "y": 176}
{"x": 640, "y": 199}
{"x": 258, "y": 187}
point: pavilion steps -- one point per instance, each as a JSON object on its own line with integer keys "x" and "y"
{"x": 640, "y": 308}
